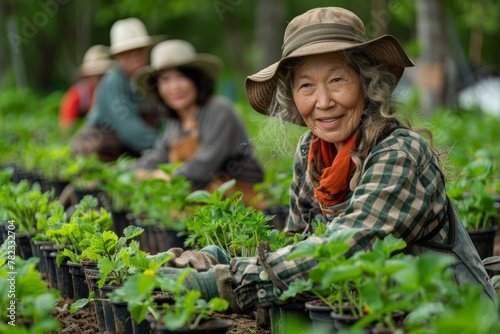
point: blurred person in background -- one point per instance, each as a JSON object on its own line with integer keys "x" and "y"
{"x": 78, "y": 100}
{"x": 202, "y": 131}
{"x": 120, "y": 121}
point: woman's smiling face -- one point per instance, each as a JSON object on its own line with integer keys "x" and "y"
{"x": 177, "y": 90}
{"x": 329, "y": 97}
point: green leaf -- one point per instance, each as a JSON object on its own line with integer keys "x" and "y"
{"x": 200, "y": 196}
{"x": 132, "y": 231}
{"x": 79, "y": 304}
{"x": 296, "y": 287}
{"x": 217, "y": 304}
{"x": 175, "y": 321}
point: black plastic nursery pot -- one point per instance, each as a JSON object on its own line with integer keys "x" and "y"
{"x": 80, "y": 287}
{"x": 167, "y": 238}
{"x": 19, "y": 174}
{"x": 64, "y": 280}
{"x": 123, "y": 320}
{"x": 346, "y": 321}
{"x": 37, "y": 251}
{"x": 280, "y": 216}
{"x": 34, "y": 177}
{"x": 56, "y": 186}
{"x": 211, "y": 326}
{"x": 23, "y": 245}
{"x": 141, "y": 328}
{"x": 320, "y": 316}
{"x": 92, "y": 276}
{"x": 280, "y": 317}
{"x": 147, "y": 238}
{"x": 49, "y": 254}
{"x": 3, "y": 232}
{"x": 484, "y": 241}
{"x": 107, "y": 308}
{"x": 120, "y": 221}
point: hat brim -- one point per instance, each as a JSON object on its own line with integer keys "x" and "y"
{"x": 135, "y": 43}
{"x": 260, "y": 87}
{"x": 145, "y": 86}
{"x": 95, "y": 68}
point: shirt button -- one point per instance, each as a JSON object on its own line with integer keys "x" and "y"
{"x": 261, "y": 293}
{"x": 263, "y": 276}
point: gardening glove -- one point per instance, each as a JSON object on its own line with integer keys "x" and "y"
{"x": 201, "y": 281}
{"x": 215, "y": 282}
{"x": 203, "y": 260}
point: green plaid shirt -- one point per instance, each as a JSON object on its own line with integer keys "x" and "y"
{"x": 402, "y": 193}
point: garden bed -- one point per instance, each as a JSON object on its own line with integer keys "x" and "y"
{"x": 83, "y": 321}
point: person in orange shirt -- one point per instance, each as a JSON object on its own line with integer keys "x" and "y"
{"x": 77, "y": 101}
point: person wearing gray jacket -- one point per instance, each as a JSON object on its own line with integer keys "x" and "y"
{"x": 202, "y": 131}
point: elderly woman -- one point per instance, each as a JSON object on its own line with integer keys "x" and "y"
{"x": 202, "y": 131}
{"x": 357, "y": 167}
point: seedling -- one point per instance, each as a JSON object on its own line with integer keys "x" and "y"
{"x": 224, "y": 221}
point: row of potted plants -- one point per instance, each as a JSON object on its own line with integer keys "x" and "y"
{"x": 476, "y": 195}
{"x": 220, "y": 216}
{"x": 386, "y": 291}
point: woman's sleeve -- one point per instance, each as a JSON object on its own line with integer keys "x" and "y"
{"x": 121, "y": 115}
{"x": 219, "y": 131}
{"x": 302, "y": 201}
{"x": 398, "y": 196}
{"x": 70, "y": 107}
{"x": 153, "y": 157}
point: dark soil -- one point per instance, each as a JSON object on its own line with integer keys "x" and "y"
{"x": 85, "y": 322}
{"x": 82, "y": 321}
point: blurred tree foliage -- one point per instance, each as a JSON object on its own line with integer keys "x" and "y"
{"x": 44, "y": 40}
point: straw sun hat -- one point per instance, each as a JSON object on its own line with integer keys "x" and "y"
{"x": 171, "y": 54}
{"x": 323, "y": 30}
{"x": 129, "y": 34}
{"x": 96, "y": 61}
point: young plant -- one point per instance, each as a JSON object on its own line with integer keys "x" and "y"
{"x": 54, "y": 214}
{"x": 25, "y": 300}
{"x": 113, "y": 254}
{"x": 86, "y": 172}
{"x": 472, "y": 196}
{"x": 120, "y": 185}
{"x": 275, "y": 190}
{"x": 71, "y": 238}
{"x": 380, "y": 282}
{"x": 24, "y": 202}
{"x": 336, "y": 278}
{"x": 189, "y": 307}
{"x": 185, "y": 308}
{"x": 224, "y": 221}
{"x": 138, "y": 286}
{"x": 162, "y": 203}
{"x": 54, "y": 161}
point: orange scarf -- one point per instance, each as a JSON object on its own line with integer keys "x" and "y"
{"x": 330, "y": 171}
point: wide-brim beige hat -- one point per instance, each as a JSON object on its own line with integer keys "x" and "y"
{"x": 96, "y": 61}
{"x": 324, "y": 30}
{"x": 130, "y": 34}
{"x": 172, "y": 54}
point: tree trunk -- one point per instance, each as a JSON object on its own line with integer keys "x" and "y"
{"x": 431, "y": 35}
{"x": 3, "y": 43}
{"x": 475, "y": 46}
{"x": 17, "y": 55}
{"x": 269, "y": 31}
{"x": 380, "y": 18}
